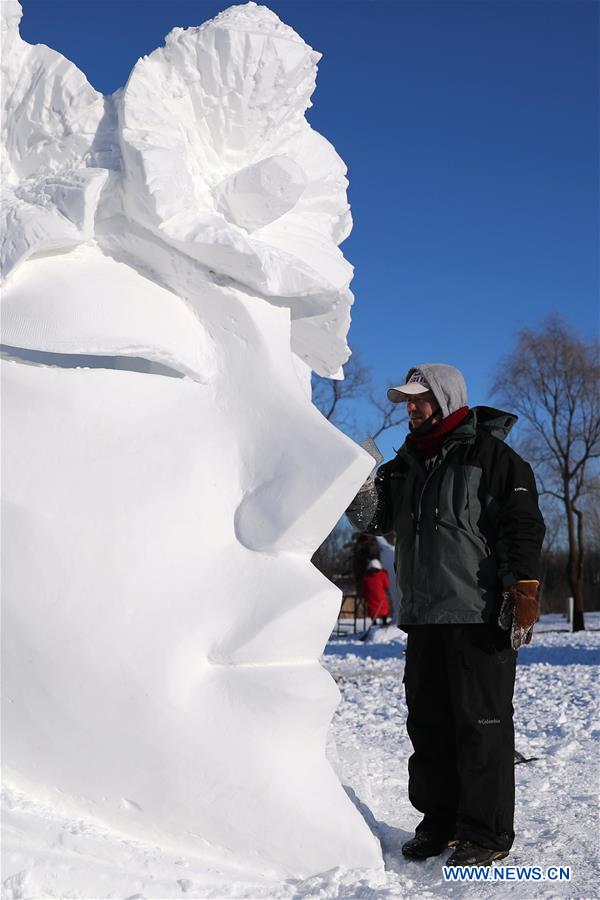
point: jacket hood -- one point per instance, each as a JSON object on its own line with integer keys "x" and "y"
{"x": 447, "y": 384}
{"x": 495, "y": 421}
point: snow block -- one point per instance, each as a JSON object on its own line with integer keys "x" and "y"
{"x": 166, "y": 478}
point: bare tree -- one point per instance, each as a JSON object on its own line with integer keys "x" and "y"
{"x": 552, "y": 380}
{"x": 337, "y": 400}
{"x": 389, "y": 414}
{"x": 335, "y": 397}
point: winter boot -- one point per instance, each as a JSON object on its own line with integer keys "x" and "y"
{"x": 424, "y": 845}
{"x": 467, "y": 853}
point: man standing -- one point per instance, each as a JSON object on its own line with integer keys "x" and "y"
{"x": 469, "y": 533}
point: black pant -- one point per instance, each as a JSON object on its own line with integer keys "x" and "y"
{"x": 459, "y": 682}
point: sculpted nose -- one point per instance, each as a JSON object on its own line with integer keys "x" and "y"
{"x": 312, "y": 479}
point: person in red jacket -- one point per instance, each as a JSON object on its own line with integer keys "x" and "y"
{"x": 375, "y": 587}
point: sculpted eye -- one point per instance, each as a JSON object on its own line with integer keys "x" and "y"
{"x": 94, "y": 311}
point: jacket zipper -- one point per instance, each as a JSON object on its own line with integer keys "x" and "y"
{"x": 435, "y": 469}
{"x": 418, "y": 522}
{"x": 425, "y": 483}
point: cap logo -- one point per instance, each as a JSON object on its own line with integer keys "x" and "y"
{"x": 418, "y": 378}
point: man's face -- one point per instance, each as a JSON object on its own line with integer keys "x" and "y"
{"x": 420, "y": 407}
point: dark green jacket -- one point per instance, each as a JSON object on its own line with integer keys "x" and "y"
{"x": 465, "y": 530}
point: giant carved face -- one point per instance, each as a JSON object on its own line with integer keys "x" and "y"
{"x": 172, "y": 277}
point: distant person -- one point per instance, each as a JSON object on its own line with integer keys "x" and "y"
{"x": 365, "y": 548}
{"x": 386, "y": 555}
{"x": 375, "y": 588}
{"x": 464, "y": 507}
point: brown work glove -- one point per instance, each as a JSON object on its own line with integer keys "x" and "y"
{"x": 520, "y": 611}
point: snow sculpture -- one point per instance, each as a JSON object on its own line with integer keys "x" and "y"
{"x": 172, "y": 274}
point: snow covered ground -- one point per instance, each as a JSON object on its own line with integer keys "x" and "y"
{"x": 556, "y": 720}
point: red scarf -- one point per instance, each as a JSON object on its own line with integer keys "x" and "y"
{"x": 429, "y": 444}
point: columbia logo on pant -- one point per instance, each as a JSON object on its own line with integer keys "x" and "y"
{"x": 488, "y": 721}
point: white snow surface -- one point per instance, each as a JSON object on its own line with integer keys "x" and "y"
{"x": 556, "y": 720}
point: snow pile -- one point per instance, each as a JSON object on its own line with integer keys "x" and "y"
{"x": 383, "y": 634}
{"x": 165, "y": 475}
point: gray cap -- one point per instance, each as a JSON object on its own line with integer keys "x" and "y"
{"x": 445, "y": 382}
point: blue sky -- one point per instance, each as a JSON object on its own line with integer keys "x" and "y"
{"x": 470, "y": 131}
